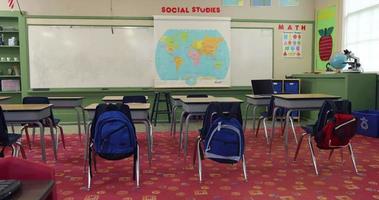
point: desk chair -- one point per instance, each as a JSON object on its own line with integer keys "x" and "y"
{"x": 55, "y": 121}
{"x": 11, "y": 140}
{"x": 327, "y": 111}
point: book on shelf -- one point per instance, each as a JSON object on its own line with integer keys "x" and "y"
{"x": 10, "y": 85}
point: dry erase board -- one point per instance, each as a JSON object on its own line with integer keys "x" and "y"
{"x": 97, "y": 57}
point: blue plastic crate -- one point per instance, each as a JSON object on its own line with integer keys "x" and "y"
{"x": 277, "y": 86}
{"x": 368, "y": 122}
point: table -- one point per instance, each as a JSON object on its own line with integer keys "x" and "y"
{"x": 197, "y": 106}
{"x": 3, "y": 99}
{"x": 36, "y": 190}
{"x": 115, "y": 99}
{"x": 255, "y": 101}
{"x": 70, "y": 103}
{"x": 139, "y": 113}
{"x": 292, "y": 102}
{"x": 31, "y": 113}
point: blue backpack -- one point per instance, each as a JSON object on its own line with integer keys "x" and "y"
{"x": 114, "y": 135}
{"x": 224, "y": 141}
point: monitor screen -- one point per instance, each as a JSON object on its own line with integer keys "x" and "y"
{"x": 262, "y": 87}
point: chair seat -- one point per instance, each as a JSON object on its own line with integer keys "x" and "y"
{"x": 308, "y": 128}
{"x": 12, "y": 138}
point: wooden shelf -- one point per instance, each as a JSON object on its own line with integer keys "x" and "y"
{"x": 10, "y": 61}
{"x": 9, "y": 31}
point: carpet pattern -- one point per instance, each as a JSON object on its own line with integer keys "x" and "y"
{"x": 270, "y": 176}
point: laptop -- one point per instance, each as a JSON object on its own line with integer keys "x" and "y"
{"x": 8, "y": 188}
{"x": 262, "y": 87}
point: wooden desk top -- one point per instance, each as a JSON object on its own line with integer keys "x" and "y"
{"x": 258, "y": 96}
{"x": 65, "y": 98}
{"x": 38, "y": 190}
{"x": 24, "y": 107}
{"x": 132, "y": 106}
{"x": 116, "y": 98}
{"x": 305, "y": 96}
{"x": 210, "y": 99}
{"x": 4, "y": 97}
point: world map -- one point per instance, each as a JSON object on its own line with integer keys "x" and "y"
{"x": 192, "y": 55}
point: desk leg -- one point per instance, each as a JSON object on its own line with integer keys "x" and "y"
{"x": 288, "y": 115}
{"x": 149, "y": 137}
{"x": 186, "y": 137}
{"x": 79, "y": 123}
{"x": 173, "y": 122}
{"x": 273, "y": 127}
{"x": 84, "y": 118}
{"x": 254, "y": 113}
{"x": 54, "y": 140}
{"x": 181, "y": 130}
{"x": 42, "y": 140}
{"x": 87, "y": 141}
{"x": 246, "y": 112}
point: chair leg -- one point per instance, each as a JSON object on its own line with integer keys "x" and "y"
{"x": 21, "y": 150}
{"x": 265, "y": 129}
{"x": 330, "y": 154}
{"x": 137, "y": 167}
{"x": 293, "y": 130}
{"x": 195, "y": 152}
{"x": 62, "y": 136}
{"x": 199, "y": 160}
{"x": 89, "y": 171}
{"x": 246, "y": 113}
{"x": 27, "y": 137}
{"x": 258, "y": 126}
{"x": 244, "y": 167}
{"x": 353, "y": 158}
{"x": 94, "y": 160}
{"x": 299, "y": 145}
{"x": 313, "y": 157}
{"x": 34, "y": 134}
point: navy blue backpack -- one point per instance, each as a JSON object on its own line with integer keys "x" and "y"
{"x": 113, "y": 132}
{"x": 224, "y": 141}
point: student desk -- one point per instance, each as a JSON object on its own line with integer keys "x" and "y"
{"x": 70, "y": 103}
{"x": 115, "y": 99}
{"x": 292, "y": 102}
{"x": 31, "y": 113}
{"x": 139, "y": 113}
{"x": 34, "y": 189}
{"x": 255, "y": 101}
{"x": 197, "y": 106}
{"x": 3, "y": 99}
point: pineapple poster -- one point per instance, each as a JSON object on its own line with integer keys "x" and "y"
{"x": 325, "y": 37}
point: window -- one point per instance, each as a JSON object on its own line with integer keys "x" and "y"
{"x": 361, "y": 31}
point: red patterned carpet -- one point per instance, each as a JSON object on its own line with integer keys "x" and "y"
{"x": 269, "y": 175}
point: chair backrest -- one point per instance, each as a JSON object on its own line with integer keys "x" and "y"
{"x": 3, "y": 129}
{"x": 197, "y": 96}
{"x": 134, "y": 99}
{"x": 39, "y": 100}
{"x": 327, "y": 111}
{"x": 216, "y": 109}
{"x": 262, "y": 86}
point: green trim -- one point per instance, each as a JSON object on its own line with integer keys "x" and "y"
{"x": 88, "y": 17}
{"x": 313, "y": 47}
{"x": 275, "y": 21}
{"x": 132, "y": 26}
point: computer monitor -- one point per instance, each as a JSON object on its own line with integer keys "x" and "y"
{"x": 262, "y": 87}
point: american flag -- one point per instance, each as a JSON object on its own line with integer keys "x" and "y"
{"x": 11, "y": 3}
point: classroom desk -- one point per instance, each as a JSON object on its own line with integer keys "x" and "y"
{"x": 33, "y": 189}
{"x": 3, "y": 99}
{"x": 197, "y": 106}
{"x": 139, "y": 113}
{"x": 70, "y": 103}
{"x": 292, "y": 102}
{"x": 31, "y": 113}
{"x": 255, "y": 101}
{"x": 176, "y": 103}
{"x": 116, "y": 99}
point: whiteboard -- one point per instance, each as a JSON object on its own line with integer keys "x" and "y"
{"x": 252, "y": 55}
{"x": 90, "y": 57}
{"x": 94, "y": 57}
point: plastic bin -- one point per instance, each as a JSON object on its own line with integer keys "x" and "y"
{"x": 368, "y": 122}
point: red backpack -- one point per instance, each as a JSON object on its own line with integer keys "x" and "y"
{"x": 338, "y": 131}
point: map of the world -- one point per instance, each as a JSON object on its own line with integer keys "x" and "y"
{"x": 192, "y": 55}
